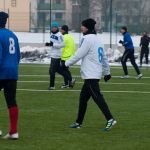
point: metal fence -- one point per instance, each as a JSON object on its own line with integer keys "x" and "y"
{"x": 109, "y": 14}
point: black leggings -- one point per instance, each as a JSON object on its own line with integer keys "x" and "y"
{"x": 9, "y": 87}
{"x": 129, "y": 54}
{"x": 56, "y": 67}
{"x": 66, "y": 71}
{"x": 144, "y": 52}
{"x": 91, "y": 89}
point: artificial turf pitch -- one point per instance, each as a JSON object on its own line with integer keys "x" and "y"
{"x": 45, "y": 116}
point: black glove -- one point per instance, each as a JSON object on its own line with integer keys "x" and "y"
{"x": 121, "y": 42}
{"x": 107, "y": 77}
{"x": 49, "y": 44}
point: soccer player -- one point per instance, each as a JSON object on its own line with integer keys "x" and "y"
{"x": 56, "y": 44}
{"x": 145, "y": 40}
{"x": 94, "y": 61}
{"x": 128, "y": 54}
{"x": 9, "y": 62}
{"x": 67, "y": 52}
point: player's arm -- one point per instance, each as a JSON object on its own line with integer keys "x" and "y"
{"x": 81, "y": 52}
{"x": 127, "y": 40}
{"x": 141, "y": 42}
{"x": 60, "y": 44}
{"x": 1, "y": 49}
{"x": 18, "y": 52}
{"x": 105, "y": 64}
{"x": 106, "y": 67}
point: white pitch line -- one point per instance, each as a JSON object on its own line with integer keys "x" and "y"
{"x": 35, "y": 90}
{"x": 77, "y": 76}
{"x": 110, "y": 83}
{"x": 75, "y": 66}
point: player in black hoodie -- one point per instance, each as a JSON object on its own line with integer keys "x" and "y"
{"x": 145, "y": 40}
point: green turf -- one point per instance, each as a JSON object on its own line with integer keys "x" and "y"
{"x": 45, "y": 116}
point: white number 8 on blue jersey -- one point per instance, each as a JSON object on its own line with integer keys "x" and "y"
{"x": 100, "y": 54}
{"x": 12, "y": 46}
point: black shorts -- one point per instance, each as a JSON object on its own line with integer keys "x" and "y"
{"x": 9, "y": 87}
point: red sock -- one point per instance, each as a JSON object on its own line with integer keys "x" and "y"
{"x": 13, "y": 115}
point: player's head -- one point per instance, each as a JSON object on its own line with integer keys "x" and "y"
{"x": 123, "y": 29}
{"x": 3, "y": 19}
{"x": 64, "y": 29}
{"x": 88, "y": 26}
{"x": 145, "y": 33}
{"x": 55, "y": 27}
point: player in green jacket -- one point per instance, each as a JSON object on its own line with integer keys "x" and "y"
{"x": 67, "y": 52}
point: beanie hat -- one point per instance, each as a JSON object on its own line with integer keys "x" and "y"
{"x": 89, "y": 23}
{"x": 124, "y": 28}
{"x": 65, "y": 28}
{"x": 3, "y": 18}
{"x": 55, "y": 25}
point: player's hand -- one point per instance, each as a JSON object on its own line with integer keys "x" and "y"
{"x": 51, "y": 43}
{"x": 107, "y": 77}
{"x": 47, "y": 44}
{"x": 121, "y": 42}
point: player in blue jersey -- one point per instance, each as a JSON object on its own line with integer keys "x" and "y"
{"x": 9, "y": 62}
{"x": 128, "y": 54}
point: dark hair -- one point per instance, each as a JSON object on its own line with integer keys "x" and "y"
{"x": 65, "y": 28}
{"x": 3, "y": 19}
{"x": 89, "y": 23}
{"x": 124, "y": 28}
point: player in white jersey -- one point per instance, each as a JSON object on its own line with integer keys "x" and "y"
{"x": 93, "y": 63}
{"x": 56, "y": 44}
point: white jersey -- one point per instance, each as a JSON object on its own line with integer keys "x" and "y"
{"x": 56, "y": 49}
{"x": 94, "y": 61}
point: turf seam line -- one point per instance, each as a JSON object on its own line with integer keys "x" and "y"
{"x": 36, "y": 90}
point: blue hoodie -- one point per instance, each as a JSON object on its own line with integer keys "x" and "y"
{"x": 9, "y": 55}
{"x": 128, "y": 43}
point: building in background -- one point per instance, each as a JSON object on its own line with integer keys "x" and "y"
{"x": 36, "y": 15}
{"x": 61, "y": 11}
{"x": 19, "y": 14}
{"x": 134, "y": 14}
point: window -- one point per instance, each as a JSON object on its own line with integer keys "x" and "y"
{"x": 58, "y": 1}
{"x": 13, "y": 3}
{"x": 58, "y": 15}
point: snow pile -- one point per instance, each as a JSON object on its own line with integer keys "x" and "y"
{"x": 34, "y": 55}
{"x": 41, "y": 55}
{"x": 113, "y": 55}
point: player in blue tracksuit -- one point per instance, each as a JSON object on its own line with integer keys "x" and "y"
{"x": 9, "y": 62}
{"x": 128, "y": 54}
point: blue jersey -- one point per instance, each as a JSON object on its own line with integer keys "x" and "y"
{"x": 9, "y": 55}
{"x": 128, "y": 43}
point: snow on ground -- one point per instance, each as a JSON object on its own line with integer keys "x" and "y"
{"x": 37, "y": 54}
{"x": 25, "y": 37}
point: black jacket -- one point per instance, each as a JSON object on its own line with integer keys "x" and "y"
{"x": 145, "y": 40}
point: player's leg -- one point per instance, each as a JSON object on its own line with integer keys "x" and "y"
{"x": 10, "y": 96}
{"x": 61, "y": 71}
{"x": 132, "y": 59}
{"x": 52, "y": 72}
{"x": 146, "y": 55}
{"x": 124, "y": 65}
{"x": 141, "y": 56}
{"x": 100, "y": 101}
{"x": 67, "y": 73}
{"x": 84, "y": 97}
{"x": 1, "y": 87}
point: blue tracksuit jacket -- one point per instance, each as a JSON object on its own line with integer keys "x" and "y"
{"x": 9, "y": 55}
